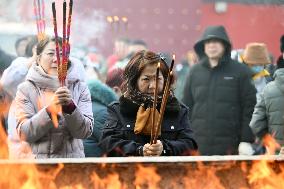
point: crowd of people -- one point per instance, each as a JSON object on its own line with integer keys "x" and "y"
{"x": 221, "y": 101}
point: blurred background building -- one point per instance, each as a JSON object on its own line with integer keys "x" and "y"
{"x": 165, "y": 25}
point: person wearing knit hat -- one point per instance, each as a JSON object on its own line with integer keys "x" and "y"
{"x": 280, "y": 61}
{"x": 256, "y": 56}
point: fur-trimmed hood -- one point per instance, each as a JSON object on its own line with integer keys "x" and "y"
{"x": 100, "y": 92}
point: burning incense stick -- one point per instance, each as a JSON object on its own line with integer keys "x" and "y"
{"x": 62, "y": 65}
{"x": 56, "y": 41}
{"x": 69, "y": 26}
{"x": 164, "y": 100}
{"x": 64, "y": 60}
{"x": 155, "y": 103}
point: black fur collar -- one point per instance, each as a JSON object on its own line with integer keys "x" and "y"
{"x": 129, "y": 108}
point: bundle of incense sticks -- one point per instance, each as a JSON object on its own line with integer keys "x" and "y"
{"x": 166, "y": 93}
{"x": 56, "y": 40}
{"x": 62, "y": 66}
{"x": 155, "y": 102}
{"x": 39, "y": 17}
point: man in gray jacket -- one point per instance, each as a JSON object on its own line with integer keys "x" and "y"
{"x": 268, "y": 113}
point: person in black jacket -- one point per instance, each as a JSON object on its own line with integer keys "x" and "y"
{"x": 122, "y": 136}
{"x": 221, "y": 97}
{"x": 280, "y": 60}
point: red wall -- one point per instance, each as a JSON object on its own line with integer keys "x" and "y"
{"x": 165, "y": 25}
{"x": 248, "y": 23}
{"x": 174, "y": 26}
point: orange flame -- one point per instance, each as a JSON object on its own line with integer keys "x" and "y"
{"x": 270, "y": 143}
{"x": 204, "y": 177}
{"x": 264, "y": 176}
{"x": 54, "y": 110}
{"x": 111, "y": 181}
{"x": 3, "y": 143}
{"x": 146, "y": 176}
{"x": 4, "y": 108}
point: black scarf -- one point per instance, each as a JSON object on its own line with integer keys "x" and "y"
{"x": 130, "y": 104}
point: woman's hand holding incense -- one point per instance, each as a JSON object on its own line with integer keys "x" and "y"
{"x": 154, "y": 149}
{"x": 62, "y": 96}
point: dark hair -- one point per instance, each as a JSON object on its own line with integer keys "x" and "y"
{"x": 114, "y": 77}
{"x": 42, "y": 44}
{"x": 19, "y": 40}
{"x": 33, "y": 40}
{"x": 137, "y": 64}
{"x": 280, "y": 62}
{"x": 282, "y": 43}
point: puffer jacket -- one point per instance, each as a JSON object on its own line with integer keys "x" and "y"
{"x": 34, "y": 124}
{"x": 101, "y": 96}
{"x": 268, "y": 112}
{"x": 220, "y": 99}
{"x": 119, "y": 139}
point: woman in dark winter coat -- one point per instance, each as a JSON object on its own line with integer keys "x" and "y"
{"x": 101, "y": 96}
{"x": 123, "y": 136}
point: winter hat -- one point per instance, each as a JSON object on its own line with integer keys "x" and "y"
{"x": 256, "y": 53}
{"x": 213, "y": 32}
{"x": 282, "y": 43}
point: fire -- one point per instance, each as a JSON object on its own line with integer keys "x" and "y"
{"x": 111, "y": 181}
{"x": 146, "y": 176}
{"x": 4, "y": 108}
{"x": 271, "y": 145}
{"x": 262, "y": 175}
{"x": 258, "y": 175}
{"x": 54, "y": 110}
{"x": 17, "y": 175}
{"x": 3, "y": 142}
{"x": 209, "y": 178}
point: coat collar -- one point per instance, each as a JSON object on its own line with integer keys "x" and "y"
{"x": 129, "y": 108}
{"x": 222, "y": 62}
